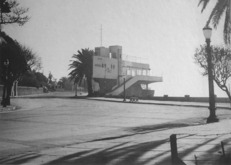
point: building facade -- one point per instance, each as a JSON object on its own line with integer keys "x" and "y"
{"x": 111, "y": 74}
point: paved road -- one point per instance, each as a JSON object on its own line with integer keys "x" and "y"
{"x": 68, "y": 130}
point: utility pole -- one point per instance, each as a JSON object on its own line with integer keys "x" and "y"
{"x": 101, "y": 35}
{"x": 124, "y": 91}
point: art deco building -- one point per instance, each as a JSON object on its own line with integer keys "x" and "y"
{"x": 111, "y": 73}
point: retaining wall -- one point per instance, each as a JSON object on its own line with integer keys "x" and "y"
{"x": 25, "y": 90}
{"x": 190, "y": 99}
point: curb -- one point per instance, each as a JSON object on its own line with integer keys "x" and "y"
{"x": 164, "y": 104}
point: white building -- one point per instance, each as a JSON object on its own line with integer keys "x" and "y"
{"x": 111, "y": 73}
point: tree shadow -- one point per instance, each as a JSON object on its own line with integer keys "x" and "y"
{"x": 121, "y": 154}
{"x": 125, "y": 153}
{"x": 22, "y": 158}
{"x": 168, "y": 125}
{"x": 225, "y": 158}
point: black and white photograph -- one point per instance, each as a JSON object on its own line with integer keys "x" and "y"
{"x": 115, "y": 82}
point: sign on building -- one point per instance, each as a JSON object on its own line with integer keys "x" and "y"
{"x": 104, "y": 67}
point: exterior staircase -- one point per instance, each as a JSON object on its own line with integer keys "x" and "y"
{"x": 131, "y": 81}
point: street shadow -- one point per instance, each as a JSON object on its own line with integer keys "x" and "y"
{"x": 190, "y": 150}
{"x": 19, "y": 159}
{"x": 225, "y": 158}
{"x": 122, "y": 154}
{"x": 166, "y": 126}
{"x": 125, "y": 153}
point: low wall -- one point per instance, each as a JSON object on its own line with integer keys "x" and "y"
{"x": 29, "y": 91}
{"x": 190, "y": 99}
{"x": 186, "y": 98}
{"x": 25, "y": 90}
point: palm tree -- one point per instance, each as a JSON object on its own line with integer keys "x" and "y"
{"x": 81, "y": 67}
{"x": 221, "y": 7}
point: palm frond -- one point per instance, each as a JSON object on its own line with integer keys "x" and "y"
{"x": 219, "y": 9}
{"x": 227, "y": 27}
{"x": 204, "y": 4}
{"x": 81, "y": 65}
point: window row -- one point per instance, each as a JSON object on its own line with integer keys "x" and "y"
{"x": 134, "y": 72}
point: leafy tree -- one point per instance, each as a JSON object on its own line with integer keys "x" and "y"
{"x": 65, "y": 83}
{"x": 221, "y": 7}
{"x": 41, "y": 78}
{"x": 11, "y": 12}
{"x": 33, "y": 61}
{"x": 221, "y": 61}
{"x": 52, "y": 83}
{"x": 10, "y": 49}
{"x": 50, "y": 77}
{"x": 29, "y": 80}
{"x": 33, "y": 79}
{"x": 16, "y": 67}
{"x": 81, "y": 67}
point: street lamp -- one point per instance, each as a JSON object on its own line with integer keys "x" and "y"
{"x": 124, "y": 82}
{"x": 212, "y": 117}
{"x": 5, "y": 94}
{"x": 124, "y": 91}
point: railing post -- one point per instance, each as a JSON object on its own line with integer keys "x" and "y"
{"x": 174, "y": 153}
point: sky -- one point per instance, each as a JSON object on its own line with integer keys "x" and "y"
{"x": 163, "y": 32}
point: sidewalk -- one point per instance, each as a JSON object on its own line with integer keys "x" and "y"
{"x": 9, "y": 108}
{"x": 168, "y": 103}
{"x": 155, "y": 102}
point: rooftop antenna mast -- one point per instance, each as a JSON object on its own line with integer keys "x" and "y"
{"x": 101, "y": 35}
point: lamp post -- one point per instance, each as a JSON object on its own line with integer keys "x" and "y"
{"x": 5, "y": 94}
{"x": 124, "y": 91}
{"x": 212, "y": 108}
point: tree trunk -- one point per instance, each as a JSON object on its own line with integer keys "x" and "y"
{"x": 89, "y": 86}
{"x": 228, "y": 93}
{"x": 8, "y": 88}
{"x": 6, "y": 93}
{"x": 76, "y": 89}
{"x": 3, "y": 103}
{"x": 224, "y": 88}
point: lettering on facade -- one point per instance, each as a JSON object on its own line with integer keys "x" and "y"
{"x": 97, "y": 65}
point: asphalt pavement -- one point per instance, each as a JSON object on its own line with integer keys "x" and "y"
{"x": 58, "y": 128}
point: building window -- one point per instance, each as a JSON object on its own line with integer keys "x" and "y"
{"x": 148, "y": 72}
{"x": 112, "y": 66}
{"x": 128, "y": 72}
{"x": 144, "y": 72}
{"x": 139, "y": 72}
{"x": 133, "y": 72}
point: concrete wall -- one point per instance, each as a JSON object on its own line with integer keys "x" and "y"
{"x": 136, "y": 90}
{"x": 190, "y": 99}
{"x": 186, "y": 98}
{"x": 105, "y": 68}
{"x": 106, "y": 85}
{"x": 25, "y": 90}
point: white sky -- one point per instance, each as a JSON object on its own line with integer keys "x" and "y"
{"x": 166, "y": 32}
